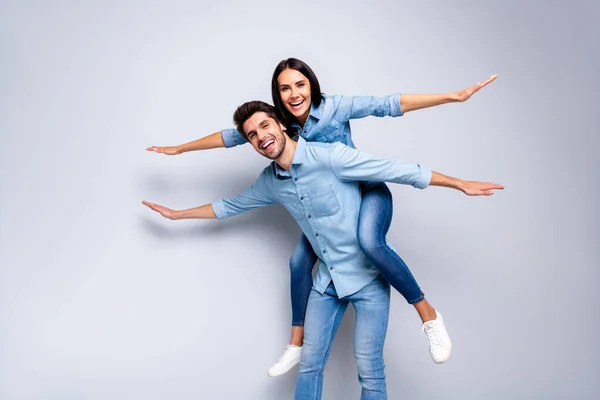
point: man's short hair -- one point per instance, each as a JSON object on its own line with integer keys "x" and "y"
{"x": 246, "y": 110}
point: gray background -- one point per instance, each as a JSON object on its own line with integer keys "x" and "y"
{"x": 102, "y": 299}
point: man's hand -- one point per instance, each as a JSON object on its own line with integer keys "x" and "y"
{"x": 162, "y": 210}
{"x": 474, "y": 188}
{"x": 466, "y": 94}
{"x": 168, "y": 150}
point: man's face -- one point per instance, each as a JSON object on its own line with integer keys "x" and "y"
{"x": 265, "y": 134}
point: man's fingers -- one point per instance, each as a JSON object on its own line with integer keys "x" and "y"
{"x": 488, "y": 80}
{"x": 493, "y": 186}
{"x": 488, "y": 186}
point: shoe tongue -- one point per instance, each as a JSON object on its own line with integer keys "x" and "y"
{"x": 429, "y": 324}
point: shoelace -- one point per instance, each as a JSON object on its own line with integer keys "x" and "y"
{"x": 433, "y": 334}
{"x": 285, "y": 353}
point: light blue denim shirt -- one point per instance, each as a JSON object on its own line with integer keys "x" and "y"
{"x": 322, "y": 193}
{"x": 330, "y": 122}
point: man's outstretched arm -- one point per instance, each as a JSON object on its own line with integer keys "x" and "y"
{"x": 202, "y": 212}
{"x": 470, "y": 188}
{"x": 254, "y": 197}
{"x": 350, "y": 164}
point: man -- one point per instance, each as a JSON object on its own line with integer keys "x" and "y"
{"x": 318, "y": 184}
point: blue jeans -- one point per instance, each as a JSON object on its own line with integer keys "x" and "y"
{"x": 324, "y": 313}
{"x": 374, "y": 221}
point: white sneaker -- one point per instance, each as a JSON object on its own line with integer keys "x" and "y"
{"x": 440, "y": 345}
{"x": 289, "y": 358}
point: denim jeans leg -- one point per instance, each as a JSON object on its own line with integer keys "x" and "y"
{"x": 372, "y": 306}
{"x": 323, "y": 316}
{"x": 301, "y": 265}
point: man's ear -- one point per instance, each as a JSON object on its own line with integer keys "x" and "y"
{"x": 282, "y": 127}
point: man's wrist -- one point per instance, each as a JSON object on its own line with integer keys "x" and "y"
{"x": 454, "y": 97}
{"x": 459, "y": 184}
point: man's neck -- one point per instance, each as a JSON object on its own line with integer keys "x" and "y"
{"x": 287, "y": 155}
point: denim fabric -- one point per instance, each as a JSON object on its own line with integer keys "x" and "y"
{"x": 322, "y": 193}
{"x": 324, "y": 313}
{"x": 330, "y": 121}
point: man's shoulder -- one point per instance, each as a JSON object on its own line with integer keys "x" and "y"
{"x": 268, "y": 171}
{"x": 320, "y": 146}
{"x": 319, "y": 150}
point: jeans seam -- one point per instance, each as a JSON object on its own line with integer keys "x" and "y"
{"x": 328, "y": 347}
{"x": 383, "y": 333}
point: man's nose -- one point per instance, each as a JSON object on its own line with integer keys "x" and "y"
{"x": 261, "y": 134}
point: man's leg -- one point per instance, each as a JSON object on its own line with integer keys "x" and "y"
{"x": 323, "y": 315}
{"x": 372, "y": 305}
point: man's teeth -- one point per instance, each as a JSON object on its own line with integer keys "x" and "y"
{"x": 267, "y": 144}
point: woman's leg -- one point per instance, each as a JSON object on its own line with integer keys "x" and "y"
{"x": 301, "y": 264}
{"x": 374, "y": 221}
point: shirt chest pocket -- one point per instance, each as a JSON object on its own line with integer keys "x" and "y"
{"x": 324, "y": 201}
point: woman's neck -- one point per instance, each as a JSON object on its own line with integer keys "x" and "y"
{"x": 302, "y": 119}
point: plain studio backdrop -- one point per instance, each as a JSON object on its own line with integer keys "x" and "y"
{"x": 100, "y": 298}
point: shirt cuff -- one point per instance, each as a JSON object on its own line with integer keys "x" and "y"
{"x": 396, "y": 109}
{"x": 424, "y": 178}
{"x": 229, "y": 137}
{"x": 219, "y": 209}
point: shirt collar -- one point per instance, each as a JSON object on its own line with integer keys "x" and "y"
{"x": 299, "y": 155}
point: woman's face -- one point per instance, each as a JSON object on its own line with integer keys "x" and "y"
{"x": 294, "y": 89}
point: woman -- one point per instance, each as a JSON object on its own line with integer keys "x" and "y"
{"x": 317, "y": 117}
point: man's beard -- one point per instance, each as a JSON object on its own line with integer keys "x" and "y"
{"x": 282, "y": 147}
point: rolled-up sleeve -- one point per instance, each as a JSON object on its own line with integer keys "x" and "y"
{"x": 353, "y": 107}
{"x": 353, "y": 165}
{"x": 231, "y": 137}
{"x": 251, "y": 198}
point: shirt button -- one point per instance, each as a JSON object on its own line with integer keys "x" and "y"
{"x": 295, "y": 179}
{"x": 316, "y": 234}
{"x": 309, "y": 217}
{"x": 324, "y": 251}
{"x": 331, "y": 268}
{"x": 301, "y": 198}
